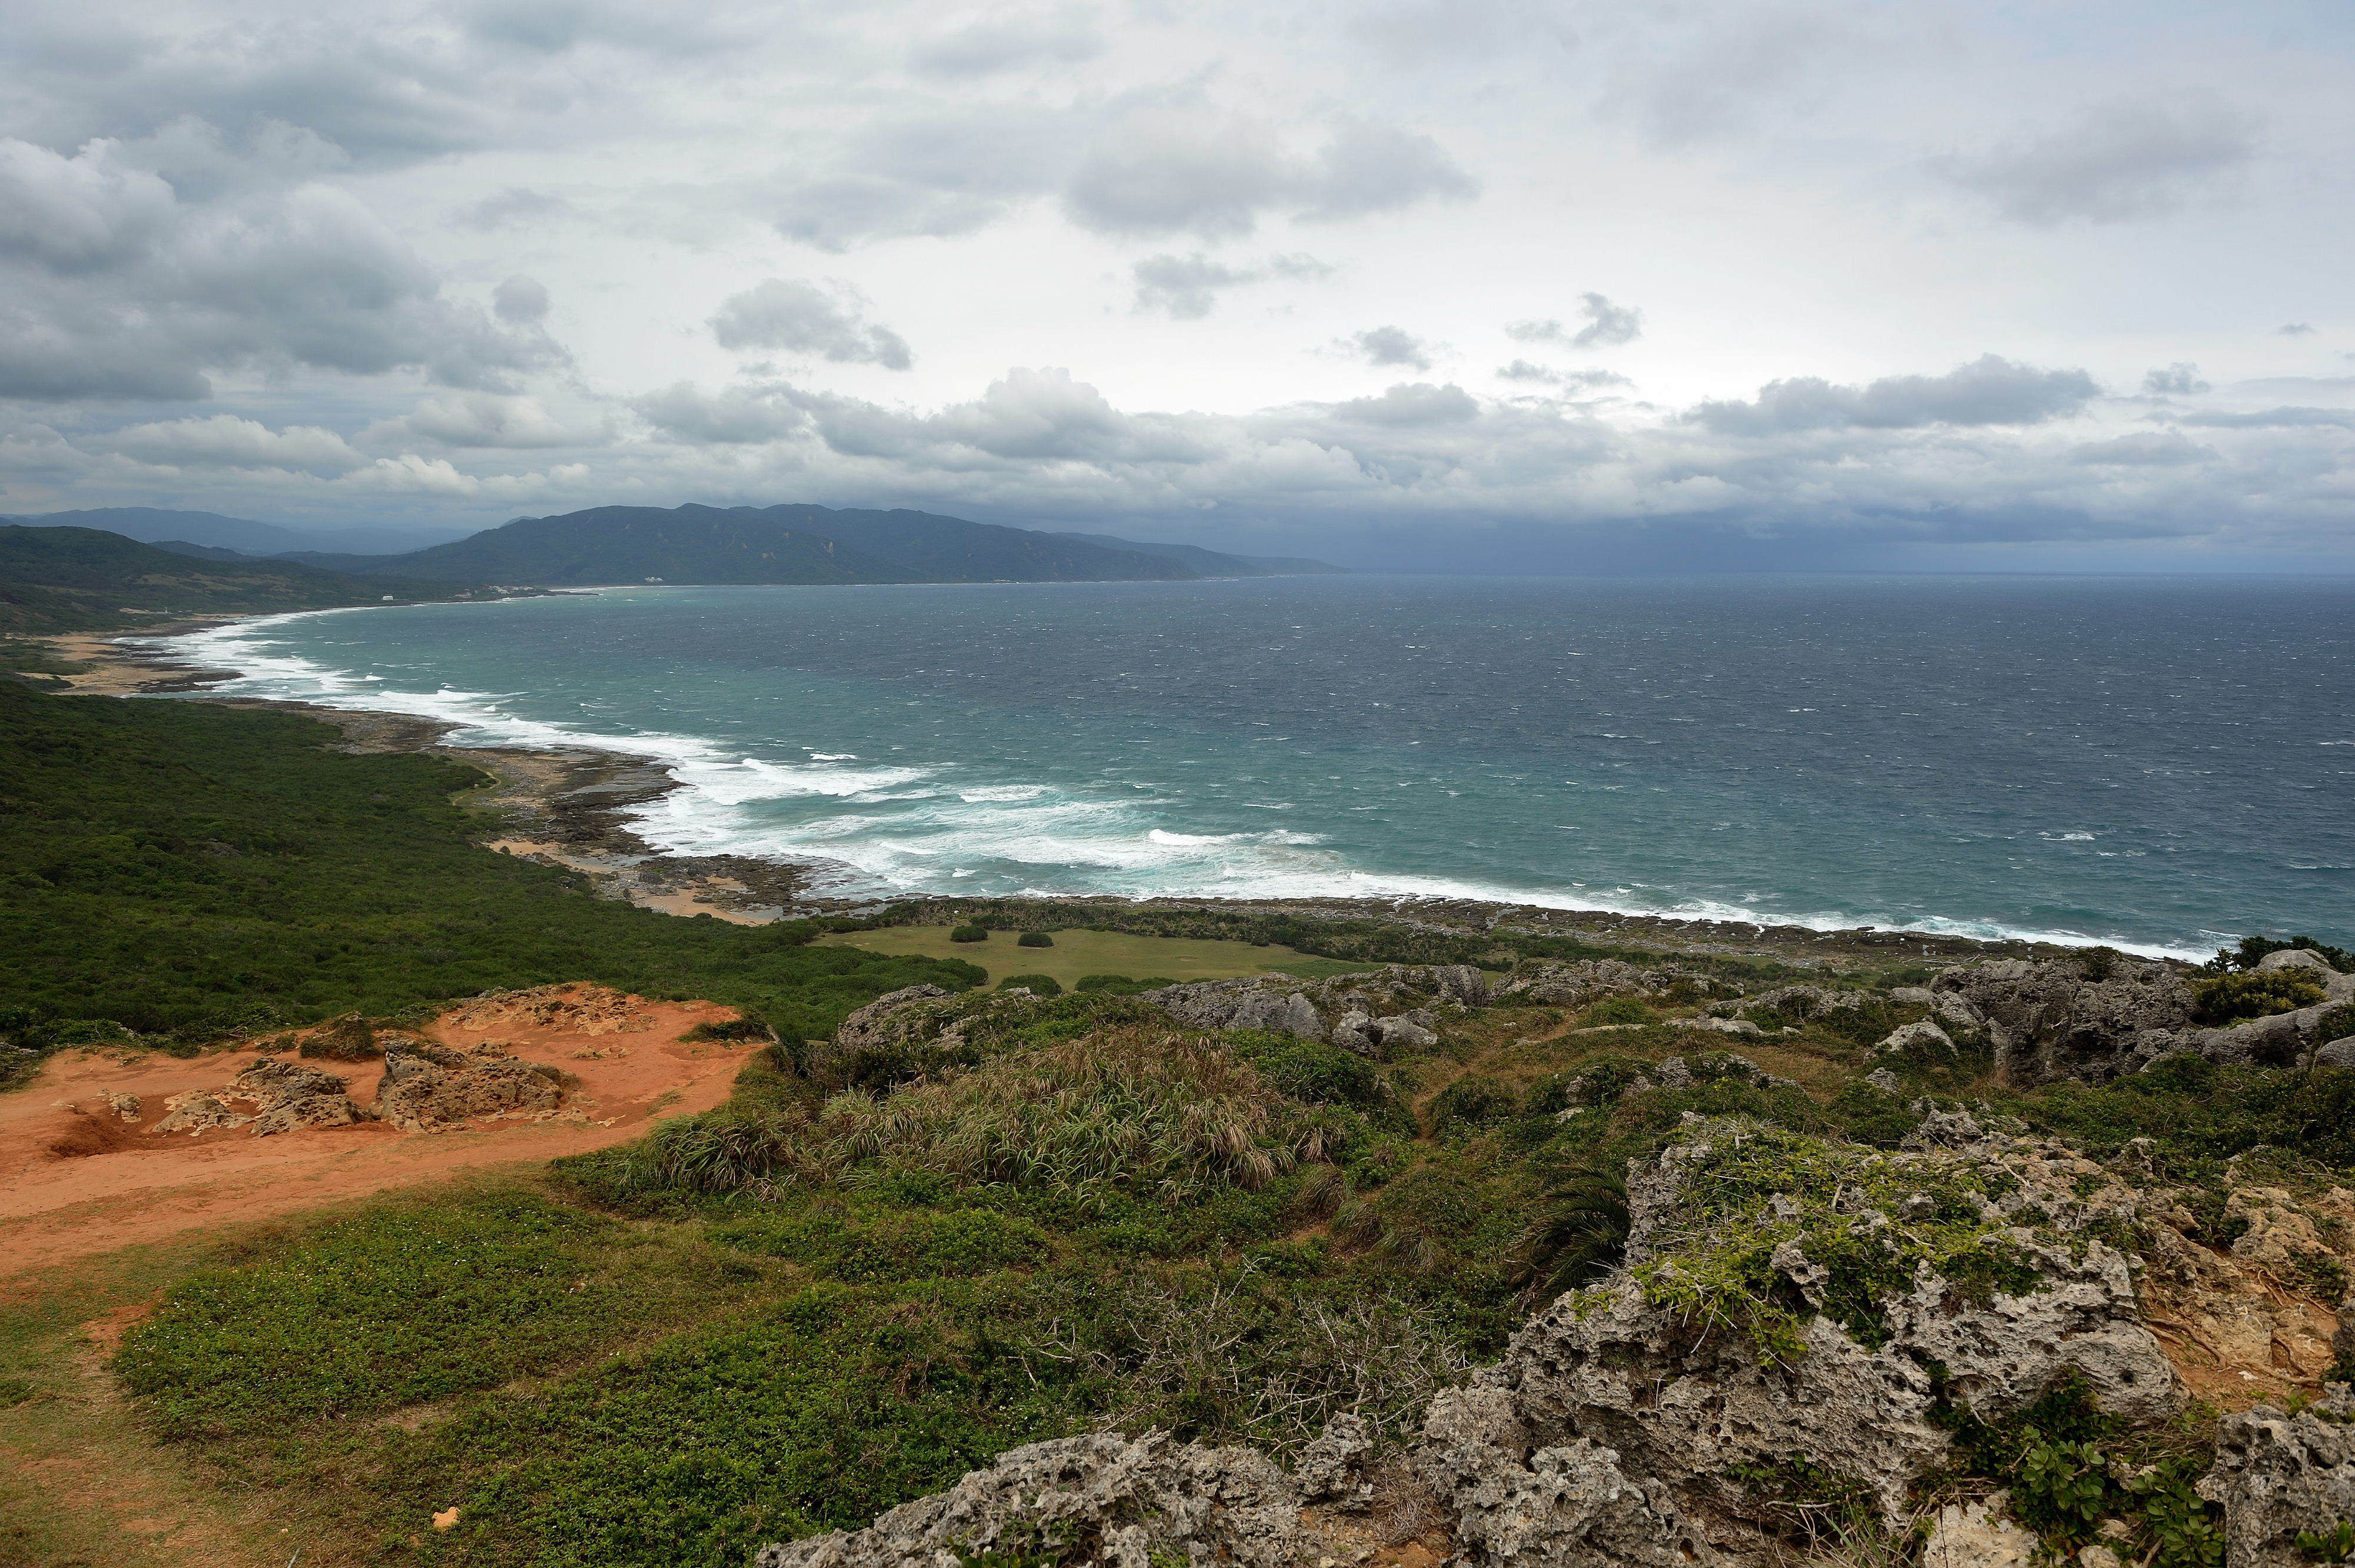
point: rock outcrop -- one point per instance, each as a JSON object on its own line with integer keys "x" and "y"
{"x": 278, "y": 1097}
{"x": 1097, "y": 1499}
{"x": 1278, "y": 1005}
{"x": 1632, "y": 1425}
{"x": 430, "y": 1088}
{"x": 289, "y": 1094}
{"x": 2279, "y": 1476}
{"x": 2062, "y": 1019}
{"x": 1653, "y": 1372}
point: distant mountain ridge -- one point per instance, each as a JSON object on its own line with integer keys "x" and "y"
{"x": 1219, "y": 563}
{"x": 788, "y": 544}
{"x": 61, "y": 579}
{"x": 151, "y": 525}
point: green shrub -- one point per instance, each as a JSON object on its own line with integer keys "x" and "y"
{"x": 751, "y": 1026}
{"x": 1037, "y": 984}
{"x": 347, "y": 1038}
{"x": 901, "y": 1246}
{"x": 1034, "y": 939}
{"x": 969, "y": 934}
{"x": 1310, "y": 1070}
{"x": 1122, "y": 985}
{"x": 1578, "y": 1230}
{"x": 2227, "y": 998}
{"x": 1470, "y": 1104}
{"x": 1618, "y": 1010}
{"x": 2254, "y": 948}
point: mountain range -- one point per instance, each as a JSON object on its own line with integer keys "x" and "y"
{"x": 779, "y": 544}
{"x": 63, "y": 579}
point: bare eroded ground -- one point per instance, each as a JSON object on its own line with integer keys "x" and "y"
{"x": 79, "y": 1178}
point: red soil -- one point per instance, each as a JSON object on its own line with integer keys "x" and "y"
{"x": 78, "y": 1180}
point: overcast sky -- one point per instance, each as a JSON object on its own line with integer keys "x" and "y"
{"x": 1432, "y": 282}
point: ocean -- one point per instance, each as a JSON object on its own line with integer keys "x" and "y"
{"x": 2162, "y": 764}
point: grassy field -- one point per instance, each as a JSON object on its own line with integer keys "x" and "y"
{"x": 1077, "y": 953}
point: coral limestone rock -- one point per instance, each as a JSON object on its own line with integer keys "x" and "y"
{"x": 2279, "y": 1476}
{"x": 427, "y": 1088}
{"x": 1099, "y": 1498}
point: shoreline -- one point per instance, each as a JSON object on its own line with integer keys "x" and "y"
{"x": 564, "y": 805}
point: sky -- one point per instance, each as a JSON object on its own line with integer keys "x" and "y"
{"x": 1471, "y": 285}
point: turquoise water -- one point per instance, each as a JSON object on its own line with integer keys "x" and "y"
{"x": 2161, "y": 764}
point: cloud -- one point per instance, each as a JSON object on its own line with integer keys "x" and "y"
{"x": 1389, "y": 346}
{"x": 520, "y": 300}
{"x": 1416, "y": 403}
{"x": 742, "y": 416}
{"x": 799, "y": 317}
{"x": 2116, "y": 163}
{"x": 410, "y": 474}
{"x": 1987, "y": 391}
{"x": 2179, "y": 379}
{"x": 1161, "y": 169}
{"x": 479, "y": 420}
{"x": 937, "y": 174}
{"x": 2271, "y": 419}
{"x": 1064, "y": 37}
{"x": 225, "y": 441}
{"x": 2293, "y": 329}
{"x": 511, "y": 209}
{"x": 2143, "y": 452}
{"x": 1188, "y": 287}
{"x": 110, "y": 286}
{"x": 1524, "y": 371}
{"x": 1148, "y": 166}
{"x": 1607, "y": 325}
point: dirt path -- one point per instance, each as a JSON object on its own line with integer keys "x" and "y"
{"x": 79, "y": 1178}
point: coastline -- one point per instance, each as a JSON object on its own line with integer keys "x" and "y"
{"x": 566, "y": 806}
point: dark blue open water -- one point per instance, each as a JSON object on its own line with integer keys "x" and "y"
{"x": 2160, "y": 762}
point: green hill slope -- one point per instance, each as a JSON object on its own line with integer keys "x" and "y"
{"x": 83, "y": 580}
{"x": 180, "y": 866}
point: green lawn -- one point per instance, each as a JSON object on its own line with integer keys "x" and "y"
{"x": 1082, "y": 953}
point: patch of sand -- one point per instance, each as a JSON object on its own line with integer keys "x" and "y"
{"x": 120, "y": 671}
{"x": 78, "y": 1179}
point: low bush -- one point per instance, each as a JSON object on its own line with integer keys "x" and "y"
{"x": 347, "y": 1039}
{"x": 751, "y": 1026}
{"x": 1122, "y": 985}
{"x": 1470, "y": 1104}
{"x": 2254, "y": 948}
{"x": 2228, "y": 999}
{"x": 969, "y": 934}
{"x": 834, "y": 1240}
{"x": 1034, "y": 939}
{"x": 1037, "y": 984}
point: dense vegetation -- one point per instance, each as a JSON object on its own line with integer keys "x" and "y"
{"x": 183, "y": 870}
{"x": 85, "y": 579}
